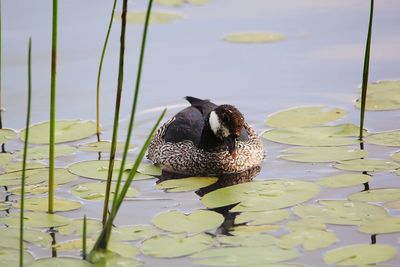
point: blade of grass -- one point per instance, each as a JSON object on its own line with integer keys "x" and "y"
{"x": 116, "y": 111}
{"x": 99, "y": 72}
{"x": 135, "y": 98}
{"x": 28, "y": 116}
{"x": 84, "y": 237}
{"x": 53, "y": 105}
{"x": 366, "y": 71}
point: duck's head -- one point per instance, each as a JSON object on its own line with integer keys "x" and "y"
{"x": 226, "y": 122}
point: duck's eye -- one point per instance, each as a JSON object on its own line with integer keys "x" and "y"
{"x": 225, "y": 118}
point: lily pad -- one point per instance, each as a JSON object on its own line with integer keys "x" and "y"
{"x": 65, "y": 131}
{"x": 103, "y": 146}
{"x": 382, "y": 226}
{"x": 5, "y": 206}
{"x": 393, "y": 205}
{"x": 359, "y": 254}
{"x": 76, "y": 227}
{"x": 262, "y": 195}
{"x": 246, "y": 230}
{"x": 305, "y": 225}
{"x": 96, "y": 191}
{"x": 41, "y": 204}
{"x": 396, "y": 156}
{"x": 322, "y": 154}
{"x": 344, "y": 180}
{"x": 338, "y": 135}
{"x": 254, "y": 37}
{"x": 311, "y": 239}
{"x": 305, "y": 116}
{"x": 377, "y": 195}
{"x": 36, "y": 176}
{"x": 17, "y": 166}
{"x": 42, "y": 152}
{"x": 149, "y": 169}
{"x": 195, "y": 222}
{"x": 109, "y": 258}
{"x": 60, "y": 261}
{"x": 244, "y": 256}
{"x": 261, "y": 217}
{"x": 383, "y": 95}
{"x": 391, "y": 138}
{"x": 5, "y": 158}
{"x": 367, "y": 165}
{"x": 10, "y": 238}
{"x": 186, "y": 184}
{"x": 256, "y": 240}
{"x": 178, "y": 245}
{"x": 33, "y": 189}
{"x": 96, "y": 169}
{"x": 156, "y": 17}
{"x": 198, "y": 2}
{"x": 134, "y": 232}
{"x": 170, "y": 3}
{"x": 36, "y": 220}
{"x": 10, "y": 257}
{"x": 341, "y": 212}
{"x": 7, "y": 135}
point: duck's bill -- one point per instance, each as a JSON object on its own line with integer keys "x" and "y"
{"x": 231, "y": 144}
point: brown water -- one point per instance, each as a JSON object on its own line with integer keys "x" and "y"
{"x": 319, "y": 63}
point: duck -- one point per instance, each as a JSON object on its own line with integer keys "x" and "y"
{"x": 206, "y": 139}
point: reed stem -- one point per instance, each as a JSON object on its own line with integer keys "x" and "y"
{"x": 84, "y": 238}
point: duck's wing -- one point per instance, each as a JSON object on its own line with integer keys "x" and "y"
{"x": 205, "y": 106}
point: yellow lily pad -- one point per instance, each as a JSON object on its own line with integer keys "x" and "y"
{"x": 391, "y": 138}
{"x": 261, "y": 217}
{"x": 103, "y": 146}
{"x": 41, "y": 204}
{"x": 186, "y": 184}
{"x": 305, "y": 116}
{"x": 393, "y": 205}
{"x": 170, "y": 3}
{"x": 383, "y": 226}
{"x": 5, "y": 206}
{"x": 5, "y": 158}
{"x": 377, "y": 195}
{"x": 96, "y": 169}
{"x": 338, "y": 135}
{"x": 65, "y": 131}
{"x": 36, "y": 220}
{"x": 396, "y": 156}
{"x": 76, "y": 227}
{"x": 134, "y": 232}
{"x": 42, "y": 152}
{"x": 367, "y": 165}
{"x": 10, "y": 238}
{"x": 322, "y": 154}
{"x": 60, "y": 261}
{"x": 7, "y": 135}
{"x": 246, "y": 230}
{"x": 149, "y": 169}
{"x": 195, "y": 222}
{"x": 17, "y": 166}
{"x": 10, "y": 257}
{"x": 310, "y": 239}
{"x": 359, "y": 254}
{"x": 156, "y": 17}
{"x": 254, "y": 37}
{"x": 383, "y": 95}
{"x": 261, "y": 195}
{"x": 344, "y": 180}
{"x": 256, "y": 240}
{"x": 96, "y": 191}
{"x": 33, "y": 189}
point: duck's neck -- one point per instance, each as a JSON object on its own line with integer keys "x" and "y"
{"x": 208, "y": 140}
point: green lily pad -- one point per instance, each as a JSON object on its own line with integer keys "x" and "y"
{"x": 197, "y": 2}
{"x": 383, "y": 226}
{"x": 178, "y": 245}
{"x": 96, "y": 169}
{"x": 60, "y": 261}
{"x": 396, "y": 156}
{"x": 261, "y": 217}
{"x": 305, "y": 116}
{"x": 41, "y": 204}
{"x": 344, "y": 180}
{"x": 254, "y": 37}
{"x": 393, "y": 205}
{"x": 377, "y": 195}
{"x": 338, "y": 135}
{"x": 17, "y": 166}
{"x": 322, "y": 154}
{"x": 359, "y": 254}
{"x": 10, "y": 257}
{"x": 96, "y": 191}
{"x": 103, "y": 146}
{"x": 149, "y": 169}
{"x": 256, "y": 240}
{"x": 391, "y": 138}
{"x": 383, "y": 95}
{"x": 195, "y": 222}
{"x": 5, "y": 158}
{"x": 33, "y": 189}
{"x": 10, "y": 238}
{"x": 36, "y": 176}
{"x": 262, "y": 195}
{"x": 341, "y": 212}
{"x": 367, "y": 165}
{"x": 5, "y": 206}
{"x": 36, "y": 220}
{"x": 305, "y": 225}
{"x": 244, "y": 256}
{"x": 311, "y": 239}
{"x": 7, "y": 135}
{"x": 134, "y": 232}
{"x": 156, "y": 17}
{"x": 76, "y": 227}
{"x": 65, "y": 131}
{"x": 42, "y": 152}
{"x": 186, "y": 184}
{"x": 170, "y": 3}
{"x": 111, "y": 259}
{"x": 246, "y": 230}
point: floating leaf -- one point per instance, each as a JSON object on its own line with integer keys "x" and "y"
{"x": 382, "y": 226}
{"x": 396, "y": 156}
{"x": 178, "y": 245}
{"x": 103, "y": 146}
{"x": 36, "y": 220}
{"x": 4, "y": 205}
{"x": 256, "y": 240}
{"x": 245, "y": 230}
{"x": 243, "y": 256}
{"x": 109, "y": 258}
{"x": 195, "y": 222}
{"x": 36, "y": 176}
{"x": 10, "y": 257}
{"x": 17, "y": 166}
{"x": 310, "y": 239}
{"x": 383, "y": 95}
{"x": 393, "y": 205}
{"x": 262, "y": 195}
{"x": 33, "y": 189}
{"x": 42, "y": 152}
{"x": 170, "y": 3}
{"x": 96, "y": 191}
{"x": 340, "y": 212}
{"x": 391, "y": 138}
{"x": 76, "y": 227}
{"x": 377, "y": 195}
{"x": 149, "y": 169}
{"x": 197, "y": 2}
{"x": 367, "y": 165}
{"x": 7, "y": 135}
{"x": 65, "y": 131}
{"x": 60, "y": 261}
{"x": 338, "y": 135}
{"x": 186, "y": 184}
{"x": 305, "y": 225}
{"x": 156, "y": 17}
{"x": 322, "y": 154}
{"x": 10, "y": 238}
{"x": 305, "y": 116}
{"x": 261, "y": 217}
{"x": 95, "y": 169}
{"x": 344, "y": 180}
{"x": 41, "y": 204}
{"x": 359, "y": 254}
{"x": 5, "y": 158}
{"x": 254, "y": 37}
{"x": 134, "y": 232}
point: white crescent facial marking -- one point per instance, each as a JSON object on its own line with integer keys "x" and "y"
{"x": 214, "y": 122}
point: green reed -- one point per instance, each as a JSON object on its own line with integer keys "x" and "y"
{"x": 84, "y": 238}
{"x": 28, "y": 116}
{"x": 99, "y": 72}
{"x": 364, "y": 85}
{"x": 53, "y": 105}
